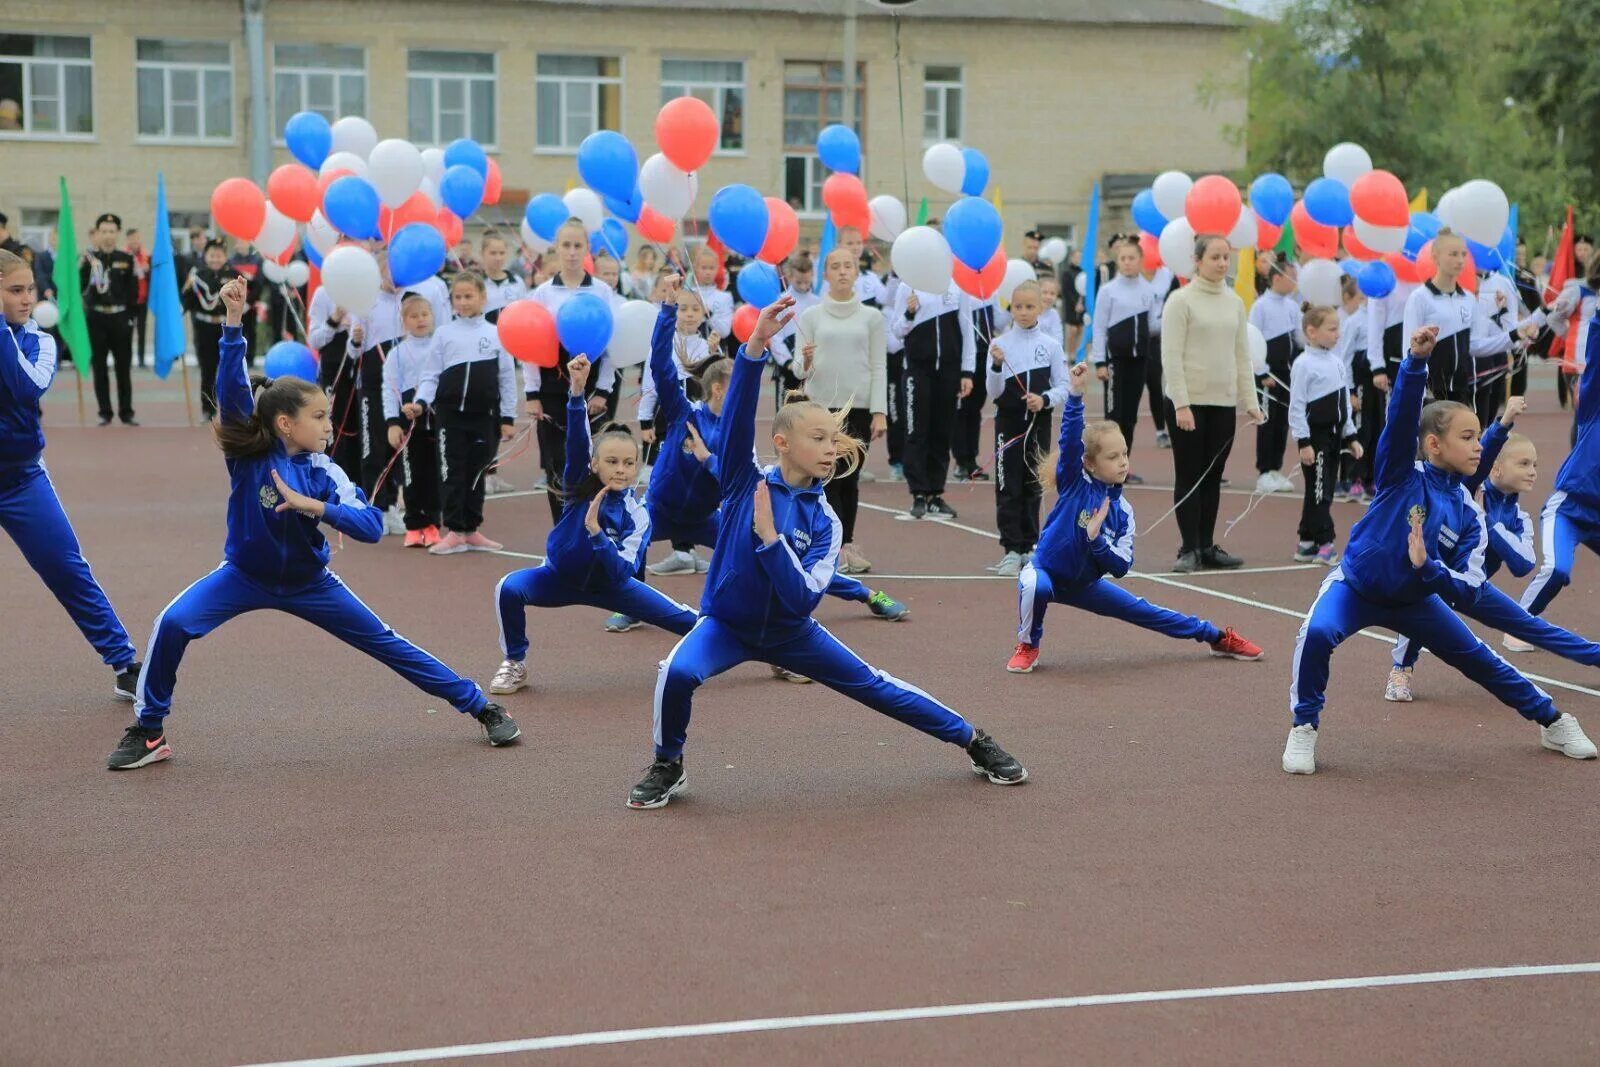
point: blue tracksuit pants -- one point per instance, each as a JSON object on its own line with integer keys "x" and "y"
{"x": 543, "y": 587}
{"x": 713, "y": 647}
{"x": 327, "y": 602}
{"x": 31, "y": 513}
{"x": 1340, "y": 611}
{"x": 1494, "y": 608}
{"x": 1036, "y": 591}
{"x": 704, "y": 533}
{"x": 1562, "y": 532}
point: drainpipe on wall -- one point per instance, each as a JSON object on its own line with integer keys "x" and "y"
{"x": 255, "y": 48}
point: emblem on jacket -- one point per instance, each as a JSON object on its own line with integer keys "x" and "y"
{"x": 1083, "y": 518}
{"x": 1417, "y": 514}
{"x": 269, "y": 497}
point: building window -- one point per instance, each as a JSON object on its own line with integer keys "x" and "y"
{"x": 577, "y": 96}
{"x": 185, "y": 90}
{"x": 802, "y": 182}
{"x": 719, "y": 83}
{"x": 328, "y": 79}
{"x": 450, "y": 95}
{"x": 813, "y": 97}
{"x": 941, "y": 105}
{"x": 46, "y": 86}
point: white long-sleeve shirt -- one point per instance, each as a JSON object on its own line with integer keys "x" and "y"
{"x": 688, "y": 350}
{"x": 505, "y": 291}
{"x": 1277, "y": 316}
{"x": 850, "y": 366}
{"x": 783, "y": 345}
{"x": 467, "y": 368}
{"x": 931, "y": 306}
{"x": 1353, "y": 341}
{"x": 1031, "y": 361}
{"x": 1118, "y": 307}
{"x": 1384, "y": 314}
{"x": 719, "y": 308}
{"x": 408, "y": 361}
{"x": 319, "y": 331}
{"x": 551, "y": 295}
{"x": 379, "y": 326}
{"x": 438, "y": 294}
{"x": 1319, "y": 394}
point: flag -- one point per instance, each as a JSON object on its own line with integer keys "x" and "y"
{"x": 830, "y": 238}
{"x": 999, "y": 208}
{"x": 1244, "y": 283}
{"x": 1090, "y": 275}
{"x": 74, "y": 328}
{"x": 1508, "y": 264}
{"x": 1420, "y": 201}
{"x": 922, "y": 212}
{"x": 165, "y": 306}
{"x": 1285, "y": 246}
{"x": 1562, "y": 270}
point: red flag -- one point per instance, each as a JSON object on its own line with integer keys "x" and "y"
{"x": 1562, "y": 270}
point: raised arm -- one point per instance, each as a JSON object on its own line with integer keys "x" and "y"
{"x": 1071, "y": 441}
{"x": 1589, "y": 384}
{"x": 736, "y": 444}
{"x": 672, "y": 403}
{"x": 578, "y": 448}
{"x": 235, "y": 401}
{"x": 1492, "y": 441}
{"x": 1397, "y": 445}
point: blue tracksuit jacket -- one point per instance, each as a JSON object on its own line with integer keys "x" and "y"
{"x": 616, "y": 553}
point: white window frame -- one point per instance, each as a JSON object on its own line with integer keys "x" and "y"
{"x": 340, "y": 110}
{"x": 564, "y": 81}
{"x": 816, "y": 174}
{"x": 28, "y": 62}
{"x": 200, "y": 69}
{"x": 943, "y": 86}
{"x": 720, "y": 88}
{"x": 493, "y": 78}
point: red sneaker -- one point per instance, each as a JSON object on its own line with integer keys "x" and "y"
{"x": 1233, "y": 646}
{"x": 479, "y": 543}
{"x": 414, "y": 539}
{"x": 431, "y": 535}
{"x": 1023, "y": 659}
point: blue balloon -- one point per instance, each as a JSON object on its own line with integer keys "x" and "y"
{"x": 461, "y": 189}
{"x": 313, "y": 257}
{"x": 1424, "y": 228}
{"x": 351, "y": 205}
{"x": 416, "y": 253}
{"x": 839, "y": 149}
{"x": 545, "y": 214}
{"x": 465, "y": 152}
{"x": 608, "y": 164}
{"x": 977, "y": 177}
{"x": 584, "y": 325}
{"x": 738, "y": 216}
{"x": 1484, "y": 257}
{"x": 626, "y": 210}
{"x": 610, "y": 238}
{"x": 1328, "y": 202}
{"x": 973, "y": 228}
{"x": 758, "y": 284}
{"x": 1146, "y": 215}
{"x": 1507, "y": 247}
{"x": 1376, "y": 279}
{"x": 1272, "y": 198}
{"x": 309, "y": 138}
{"x": 1352, "y": 267}
{"x": 290, "y": 359}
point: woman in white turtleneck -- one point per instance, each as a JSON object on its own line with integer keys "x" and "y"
{"x": 843, "y": 367}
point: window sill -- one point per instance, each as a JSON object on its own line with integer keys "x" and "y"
{"x": 188, "y": 142}
{"x": 23, "y": 135}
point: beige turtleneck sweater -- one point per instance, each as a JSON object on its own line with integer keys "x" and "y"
{"x": 850, "y": 368}
{"x": 1205, "y": 351}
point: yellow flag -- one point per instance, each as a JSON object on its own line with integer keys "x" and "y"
{"x": 1245, "y": 282}
{"x": 1420, "y": 201}
{"x": 999, "y": 208}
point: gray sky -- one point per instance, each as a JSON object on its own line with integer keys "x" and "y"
{"x": 1255, "y": 7}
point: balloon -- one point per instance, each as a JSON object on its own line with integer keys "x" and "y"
{"x": 1054, "y": 251}
{"x": 314, "y": 258}
{"x": 1245, "y": 231}
{"x": 1213, "y": 205}
{"x": 416, "y": 253}
{"x": 976, "y": 177}
{"x": 945, "y": 167}
{"x": 738, "y": 216}
{"x": 355, "y": 135}
{"x": 1485, "y": 257}
{"x": 1345, "y": 162}
{"x": 320, "y": 234}
{"x": 608, "y": 164}
{"x": 1350, "y": 267}
{"x": 984, "y": 283}
{"x": 430, "y": 189}
{"x": 759, "y": 284}
{"x": 922, "y": 258}
{"x": 1404, "y": 269}
{"x": 1319, "y": 281}
{"x": 465, "y": 152}
{"x": 544, "y": 214}
{"x": 1257, "y": 342}
{"x": 846, "y": 200}
{"x": 416, "y": 209}
{"x": 584, "y": 325}
{"x": 1177, "y": 247}
{"x": 687, "y": 131}
{"x": 290, "y": 359}
{"x": 1017, "y": 272}
{"x": 277, "y": 233}
{"x": 1145, "y": 214}
{"x": 238, "y": 208}
{"x": 1424, "y": 228}
{"x": 536, "y": 244}
{"x": 293, "y": 189}
{"x": 585, "y": 206}
{"x": 626, "y": 210}
{"x": 783, "y": 233}
{"x": 448, "y": 224}
{"x": 1170, "y": 189}
{"x": 1272, "y": 198}
{"x": 351, "y": 277}
{"x": 351, "y": 204}
{"x": 611, "y": 237}
{"x": 46, "y": 315}
{"x": 298, "y": 273}
{"x": 665, "y": 187}
{"x": 1267, "y": 234}
{"x": 1380, "y": 239}
{"x": 1376, "y": 280}
{"x": 1353, "y": 246}
{"x": 839, "y": 149}
{"x": 1315, "y": 239}
{"x": 274, "y": 273}
{"x": 1080, "y": 282}
{"x": 744, "y": 321}
{"x": 1481, "y": 211}
{"x": 348, "y": 161}
{"x": 528, "y": 332}
{"x": 1150, "y": 245}
{"x": 1378, "y": 198}
{"x": 461, "y": 190}
{"x": 1328, "y": 202}
{"x": 395, "y": 170}
{"x": 309, "y": 137}
{"x": 630, "y": 340}
{"x": 654, "y": 226}
{"x": 973, "y": 229}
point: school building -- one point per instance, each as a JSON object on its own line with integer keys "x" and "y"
{"x": 1057, "y": 93}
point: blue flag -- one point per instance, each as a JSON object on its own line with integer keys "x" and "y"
{"x": 830, "y": 238}
{"x": 165, "y": 306}
{"x": 1090, "y": 275}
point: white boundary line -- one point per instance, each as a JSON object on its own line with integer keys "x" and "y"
{"x": 943, "y": 1011}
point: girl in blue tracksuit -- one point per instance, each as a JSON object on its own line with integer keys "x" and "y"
{"x": 30, "y": 511}
{"x": 777, "y": 549}
{"x": 273, "y": 433}
{"x": 1418, "y": 550}
{"x": 594, "y": 554}
{"x": 1088, "y": 540}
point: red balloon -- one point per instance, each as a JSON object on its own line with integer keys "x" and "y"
{"x": 1267, "y": 234}
{"x": 417, "y": 208}
{"x": 654, "y": 226}
{"x": 1316, "y": 241}
{"x": 846, "y": 199}
{"x": 1379, "y": 199}
{"x": 448, "y": 225}
{"x": 1354, "y": 247}
{"x": 293, "y": 190}
{"x": 783, "y": 231}
{"x": 491, "y": 184}
{"x": 239, "y": 208}
{"x": 588, "y": 264}
{"x": 1404, "y": 269}
{"x": 1150, "y": 245}
{"x": 1213, "y": 205}
{"x": 744, "y": 321}
{"x": 528, "y": 332}
{"x": 982, "y": 283}
{"x": 687, "y": 131}
{"x": 1427, "y": 268}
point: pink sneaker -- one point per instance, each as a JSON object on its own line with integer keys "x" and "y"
{"x": 449, "y": 545}
{"x": 479, "y": 543}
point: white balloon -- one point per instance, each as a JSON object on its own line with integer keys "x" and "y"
{"x": 922, "y": 258}
{"x": 1319, "y": 282}
{"x": 1257, "y": 343}
{"x": 1177, "y": 246}
{"x": 275, "y": 272}
{"x": 585, "y": 205}
{"x": 356, "y": 135}
{"x": 46, "y": 315}
{"x": 630, "y": 335}
{"x": 299, "y": 272}
{"x": 666, "y": 188}
{"x": 349, "y": 161}
{"x": 888, "y": 217}
{"x": 352, "y": 278}
{"x": 1381, "y": 239}
{"x": 1346, "y": 162}
{"x": 277, "y": 233}
{"x": 1171, "y": 189}
{"x": 395, "y": 169}
{"x": 320, "y": 233}
{"x": 1017, "y": 272}
{"x": 1444, "y": 210}
{"x": 1481, "y": 211}
{"x": 430, "y": 189}
{"x": 536, "y": 244}
{"x": 1244, "y": 233}
{"x": 945, "y": 167}
{"x": 433, "y": 164}
{"x": 1054, "y": 251}
{"x": 1081, "y": 283}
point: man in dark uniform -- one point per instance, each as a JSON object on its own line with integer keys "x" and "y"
{"x": 110, "y": 292}
{"x": 8, "y": 243}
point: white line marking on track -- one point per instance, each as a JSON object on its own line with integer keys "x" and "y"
{"x": 942, "y": 1011}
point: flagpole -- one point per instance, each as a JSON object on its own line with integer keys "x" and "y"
{"x": 83, "y": 416}
{"x": 188, "y": 408}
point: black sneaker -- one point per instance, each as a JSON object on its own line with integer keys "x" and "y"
{"x": 1215, "y": 559}
{"x": 993, "y": 762}
{"x": 663, "y": 781}
{"x": 937, "y": 506}
{"x": 140, "y": 746}
{"x": 961, "y": 475}
{"x": 501, "y": 728}
{"x": 1187, "y": 563}
{"x": 129, "y": 420}
{"x": 128, "y": 682}
{"x": 105, "y": 420}
{"x": 919, "y": 507}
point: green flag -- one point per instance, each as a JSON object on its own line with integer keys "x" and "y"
{"x": 74, "y": 328}
{"x": 922, "y": 212}
{"x": 1285, "y": 245}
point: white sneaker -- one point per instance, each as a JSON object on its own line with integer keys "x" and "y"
{"x": 393, "y": 524}
{"x": 677, "y": 563}
{"x": 1300, "y": 752}
{"x": 789, "y": 676}
{"x": 1516, "y": 645}
{"x": 1285, "y": 484}
{"x": 1010, "y": 565}
{"x": 1567, "y": 737}
{"x": 1267, "y": 482}
{"x": 493, "y": 485}
{"x": 1398, "y": 688}
{"x": 868, "y": 476}
{"x": 511, "y": 676}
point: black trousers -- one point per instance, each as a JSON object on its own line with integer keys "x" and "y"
{"x": 374, "y": 434}
{"x": 1374, "y": 410}
{"x": 895, "y": 439}
{"x": 1450, "y": 378}
{"x": 344, "y": 403}
{"x": 1198, "y": 459}
{"x": 1489, "y": 395}
{"x": 969, "y": 425}
{"x": 1316, "y": 511}
{"x": 1152, "y": 378}
{"x": 111, "y": 338}
{"x": 141, "y": 317}
{"x": 207, "y": 349}
{"x": 1272, "y": 437}
{"x": 844, "y": 490}
{"x": 931, "y": 399}
{"x": 420, "y": 469}
{"x": 467, "y": 445}
{"x": 1018, "y": 494}
{"x": 1129, "y": 375}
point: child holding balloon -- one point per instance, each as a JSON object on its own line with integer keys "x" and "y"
{"x": 412, "y": 429}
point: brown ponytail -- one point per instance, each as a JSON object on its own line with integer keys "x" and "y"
{"x": 256, "y": 434}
